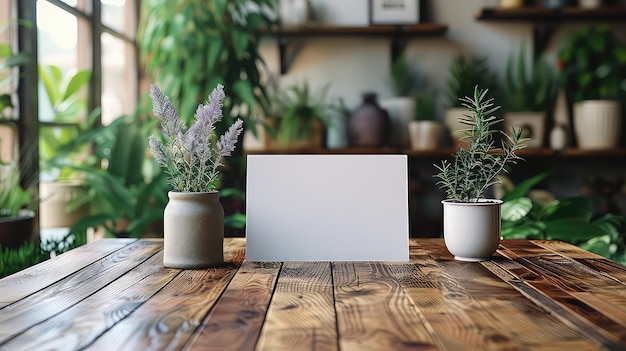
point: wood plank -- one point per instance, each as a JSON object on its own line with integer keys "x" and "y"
{"x": 37, "y": 277}
{"x": 236, "y": 320}
{"x": 301, "y": 315}
{"x": 600, "y": 264}
{"x": 29, "y": 311}
{"x": 550, "y": 294}
{"x": 471, "y": 308}
{"x": 169, "y": 317}
{"x": 373, "y": 312}
{"x": 78, "y": 326}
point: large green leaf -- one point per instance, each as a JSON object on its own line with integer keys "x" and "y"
{"x": 578, "y": 207}
{"x": 522, "y": 188}
{"x": 77, "y": 81}
{"x": 572, "y": 230}
{"x": 516, "y": 209}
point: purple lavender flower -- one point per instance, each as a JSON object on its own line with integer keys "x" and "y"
{"x": 226, "y": 144}
{"x": 163, "y": 109}
{"x": 191, "y": 156}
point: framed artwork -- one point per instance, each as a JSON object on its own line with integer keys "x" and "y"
{"x": 394, "y": 12}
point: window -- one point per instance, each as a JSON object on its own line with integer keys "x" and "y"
{"x": 93, "y": 40}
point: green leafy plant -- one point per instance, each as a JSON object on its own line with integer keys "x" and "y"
{"x": 191, "y": 46}
{"x": 465, "y": 74}
{"x": 533, "y": 90}
{"x": 9, "y": 60}
{"x": 425, "y": 106}
{"x": 567, "y": 219}
{"x": 593, "y": 64}
{"x": 127, "y": 190}
{"x": 29, "y": 253}
{"x": 404, "y": 80}
{"x": 294, "y": 112}
{"x": 68, "y": 109}
{"x": 476, "y": 167}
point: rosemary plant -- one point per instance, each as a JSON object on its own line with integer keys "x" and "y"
{"x": 475, "y": 168}
{"x": 191, "y": 156}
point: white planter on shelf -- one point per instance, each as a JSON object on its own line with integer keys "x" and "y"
{"x": 293, "y": 13}
{"x": 193, "y": 230}
{"x": 471, "y": 231}
{"x": 533, "y": 125}
{"x": 597, "y": 124}
{"x": 401, "y": 110}
{"x": 425, "y": 135}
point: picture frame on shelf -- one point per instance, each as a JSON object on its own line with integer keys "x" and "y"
{"x": 394, "y": 12}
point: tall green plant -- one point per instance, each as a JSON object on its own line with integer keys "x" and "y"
{"x": 476, "y": 167}
{"x": 191, "y": 46}
{"x": 465, "y": 73}
{"x": 533, "y": 90}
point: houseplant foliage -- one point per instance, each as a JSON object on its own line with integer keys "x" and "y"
{"x": 465, "y": 73}
{"x": 476, "y": 167}
{"x": 296, "y": 113}
{"x": 190, "y": 46}
{"x": 593, "y": 64}
{"x": 193, "y": 220}
{"x": 529, "y": 90}
{"x": 569, "y": 219}
{"x": 471, "y": 223}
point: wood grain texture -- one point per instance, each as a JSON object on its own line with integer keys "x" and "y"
{"x": 301, "y": 315}
{"x": 31, "y": 310}
{"x": 79, "y": 326}
{"x": 465, "y": 299}
{"x": 170, "y": 316}
{"x": 374, "y": 312}
{"x": 555, "y": 294}
{"x": 37, "y": 277}
{"x": 236, "y": 320}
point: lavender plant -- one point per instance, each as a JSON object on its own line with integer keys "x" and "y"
{"x": 192, "y": 156}
{"x": 475, "y": 168}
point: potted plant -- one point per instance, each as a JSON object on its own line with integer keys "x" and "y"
{"x": 17, "y": 204}
{"x": 593, "y": 68}
{"x": 297, "y": 119}
{"x": 464, "y": 74}
{"x": 471, "y": 222}
{"x": 193, "y": 219}
{"x": 66, "y": 105}
{"x": 530, "y": 94}
{"x": 425, "y": 131}
{"x": 401, "y": 106}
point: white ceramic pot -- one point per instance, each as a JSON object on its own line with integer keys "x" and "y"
{"x": 597, "y": 124}
{"x": 193, "y": 230}
{"x": 533, "y": 125}
{"x": 425, "y": 135}
{"x": 293, "y": 13}
{"x": 55, "y": 198}
{"x": 590, "y": 4}
{"x": 472, "y": 231}
{"x": 401, "y": 110}
{"x": 451, "y": 121}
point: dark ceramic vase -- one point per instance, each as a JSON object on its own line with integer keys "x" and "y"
{"x": 369, "y": 124}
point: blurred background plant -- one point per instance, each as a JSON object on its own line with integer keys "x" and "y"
{"x": 569, "y": 220}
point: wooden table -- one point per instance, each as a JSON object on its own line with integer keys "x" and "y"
{"x": 115, "y": 294}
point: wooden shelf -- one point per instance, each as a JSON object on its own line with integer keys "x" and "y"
{"x": 617, "y": 13}
{"x": 546, "y": 20}
{"x": 422, "y": 29}
{"x": 397, "y": 34}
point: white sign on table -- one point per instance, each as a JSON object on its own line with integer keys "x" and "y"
{"x": 327, "y": 208}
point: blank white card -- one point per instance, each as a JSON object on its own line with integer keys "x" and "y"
{"x": 327, "y": 208}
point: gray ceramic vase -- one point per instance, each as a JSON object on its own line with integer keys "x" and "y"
{"x": 193, "y": 230}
